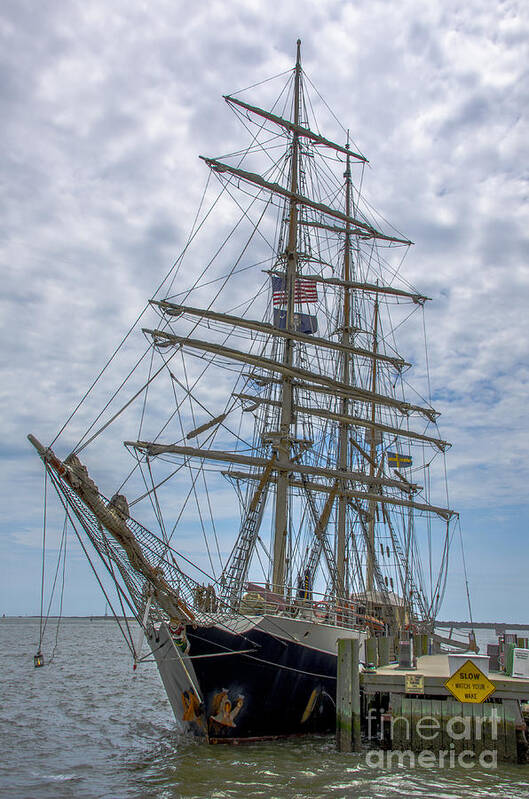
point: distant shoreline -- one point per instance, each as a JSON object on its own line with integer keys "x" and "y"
{"x": 92, "y": 618}
{"x": 480, "y": 625}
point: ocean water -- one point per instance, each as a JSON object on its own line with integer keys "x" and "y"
{"x": 88, "y": 726}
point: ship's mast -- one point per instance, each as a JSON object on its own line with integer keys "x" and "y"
{"x": 281, "y": 468}
{"x": 370, "y": 555}
{"x": 284, "y": 441}
{"x": 330, "y": 390}
{"x": 343, "y": 448}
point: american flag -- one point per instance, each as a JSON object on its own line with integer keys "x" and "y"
{"x": 305, "y": 291}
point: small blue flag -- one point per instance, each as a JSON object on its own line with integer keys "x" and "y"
{"x": 303, "y": 322}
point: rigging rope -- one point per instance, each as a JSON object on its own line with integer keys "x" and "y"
{"x": 175, "y": 268}
{"x": 44, "y": 617}
{"x": 120, "y": 591}
{"x": 45, "y": 513}
{"x": 466, "y": 573}
{"x": 62, "y": 552}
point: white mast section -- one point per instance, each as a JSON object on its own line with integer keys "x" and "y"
{"x": 370, "y": 565}
{"x": 283, "y": 441}
{"x": 343, "y": 439}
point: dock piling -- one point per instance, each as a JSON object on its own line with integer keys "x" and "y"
{"x": 371, "y": 652}
{"x": 384, "y": 651}
{"x": 420, "y": 645}
{"x": 348, "y": 696}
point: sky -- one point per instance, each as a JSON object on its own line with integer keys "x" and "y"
{"x": 104, "y": 110}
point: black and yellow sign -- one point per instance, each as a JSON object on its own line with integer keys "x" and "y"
{"x": 414, "y": 683}
{"x": 469, "y": 684}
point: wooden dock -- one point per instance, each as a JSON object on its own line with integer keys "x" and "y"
{"x": 411, "y": 710}
{"x": 434, "y": 669}
{"x": 433, "y": 725}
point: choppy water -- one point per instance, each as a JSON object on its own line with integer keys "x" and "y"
{"x": 87, "y": 726}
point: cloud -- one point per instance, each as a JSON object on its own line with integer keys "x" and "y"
{"x": 104, "y": 112}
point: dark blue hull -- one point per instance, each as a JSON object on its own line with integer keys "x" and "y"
{"x": 278, "y": 688}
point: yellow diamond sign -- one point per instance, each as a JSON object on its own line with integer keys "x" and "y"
{"x": 469, "y": 684}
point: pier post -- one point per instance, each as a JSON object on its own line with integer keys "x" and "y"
{"x": 348, "y": 696}
{"x": 405, "y": 651}
{"x": 383, "y": 651}
{"x": 420, "y": 644}
{"x": 371, "y": 652}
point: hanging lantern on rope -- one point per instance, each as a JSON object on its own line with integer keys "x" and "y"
{"x": 38, "y": 659}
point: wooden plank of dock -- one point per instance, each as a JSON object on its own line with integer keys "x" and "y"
{"x": 399, "y": 732}
{"x": 457, "y": 727}
{"x": 416, "y": 713}
{"x": 488, "y": 744}
{"x": 467, "y": 714}
{"x": 478, "y": 730}
{"x": 510, "y": 717}
{"x": 428, "y": 731}
{"x": 500, "y": 733}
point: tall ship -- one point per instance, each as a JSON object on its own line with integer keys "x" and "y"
{"x": 282, "y": 484}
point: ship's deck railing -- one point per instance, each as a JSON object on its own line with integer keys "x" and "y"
{"x": 309, "y": 605}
